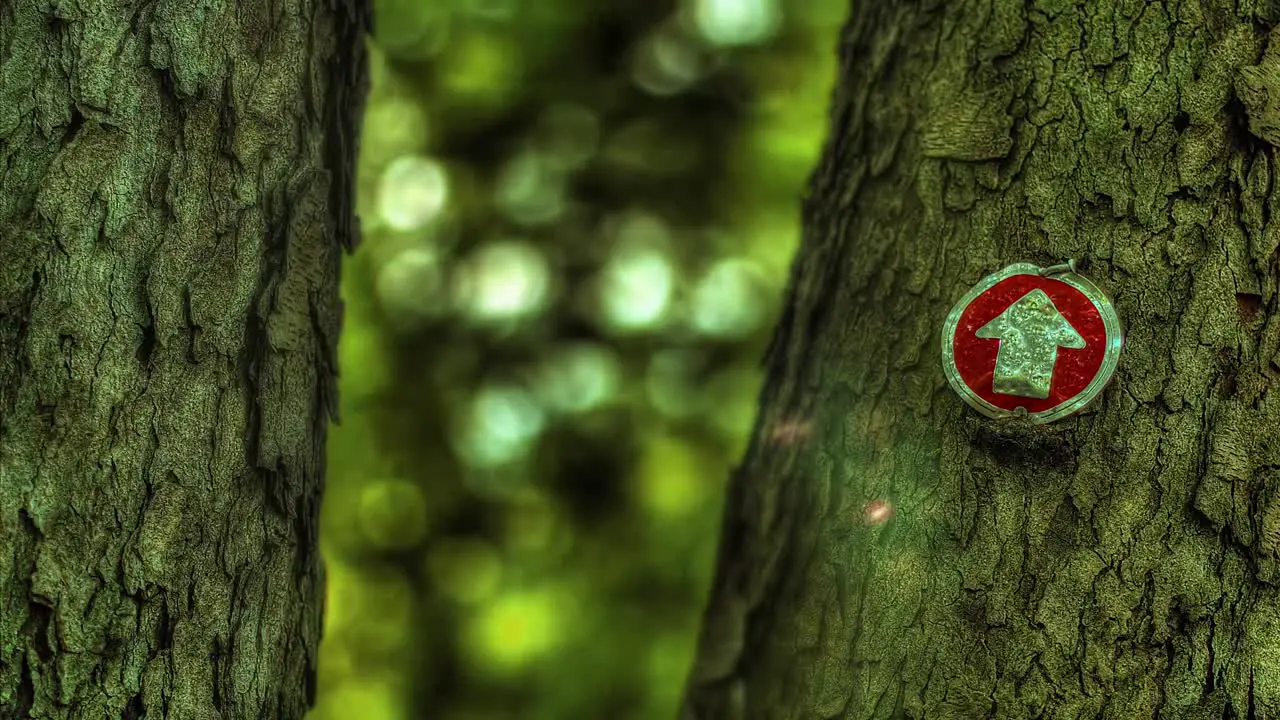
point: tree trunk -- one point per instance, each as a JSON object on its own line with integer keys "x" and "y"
{"x": 1119, "y": 564}
{"x": 174, "y": 200}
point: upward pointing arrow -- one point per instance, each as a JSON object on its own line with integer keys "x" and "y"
{"x": 1030, "y": 332}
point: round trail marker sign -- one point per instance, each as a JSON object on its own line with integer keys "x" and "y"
{"x": 1042, "y": 342}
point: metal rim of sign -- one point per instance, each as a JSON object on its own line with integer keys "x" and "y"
{"x": 1110, "y": 359}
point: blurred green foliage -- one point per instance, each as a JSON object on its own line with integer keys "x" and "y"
{"x": 578, "y": 219}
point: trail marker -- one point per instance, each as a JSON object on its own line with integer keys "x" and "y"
{"x": 1040, "y": 342}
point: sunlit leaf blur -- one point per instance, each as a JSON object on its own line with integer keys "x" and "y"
{"x": 578, "y": 219}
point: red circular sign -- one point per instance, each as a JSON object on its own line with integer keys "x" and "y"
{"x": 1060, "y": 338}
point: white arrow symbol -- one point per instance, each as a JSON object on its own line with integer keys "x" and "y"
{"x": 1030, "y": 332}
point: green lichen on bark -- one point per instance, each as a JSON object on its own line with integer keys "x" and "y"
{"x": 1120, "y": 564}
{"x": 175, "y": 197}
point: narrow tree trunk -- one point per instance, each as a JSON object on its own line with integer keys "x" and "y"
{"x": 175, "y": 195}
{"x": 1117, "y": 565}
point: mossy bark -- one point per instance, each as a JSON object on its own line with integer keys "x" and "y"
{"x": 175, "y": 195}
{"x": 1120, "y": 564}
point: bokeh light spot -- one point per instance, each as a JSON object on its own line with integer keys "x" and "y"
{"x": 729, "y": 300}
{"x": 579, "y": 377}
{"x": 737, "y": 22}
{"x": 479, "y": 70}
{"x": 516, "y": 628}
{"x": 666, "y": 63}
{"x": 530, "y": 190}
{"x": 504, "y": 422}
{"x": 636, "y": 288}
{"x": 413, "y": 192}
{"x": 504, "y": 280}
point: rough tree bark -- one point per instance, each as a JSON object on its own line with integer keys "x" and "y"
{"x": 175, "y": 195}
{"x": 1120, "y": 564}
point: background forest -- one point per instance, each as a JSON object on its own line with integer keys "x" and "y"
{"x": 578, "y": 220}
